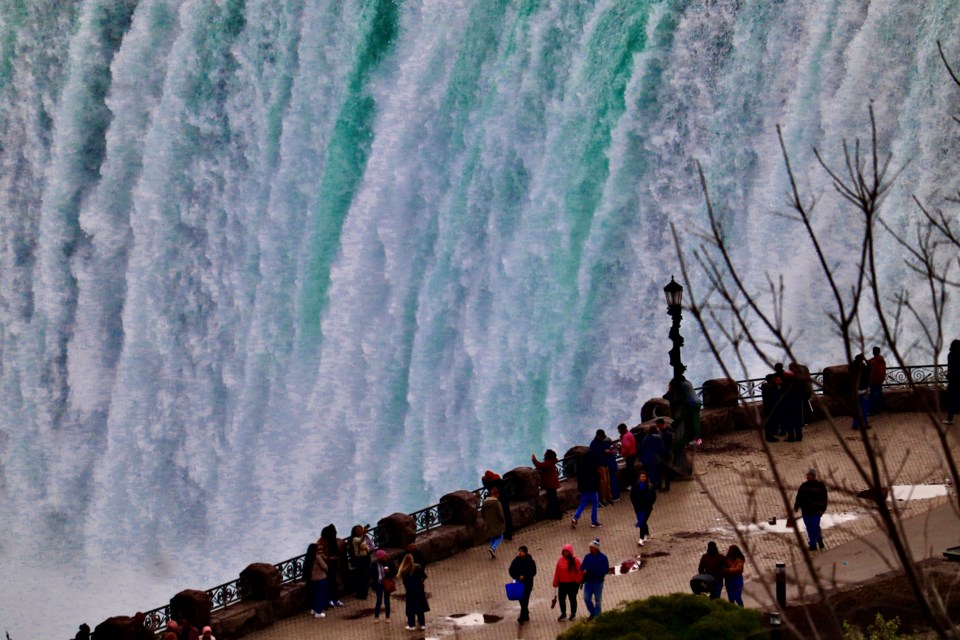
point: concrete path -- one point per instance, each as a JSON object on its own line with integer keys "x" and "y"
{"x": 733, "y": 485}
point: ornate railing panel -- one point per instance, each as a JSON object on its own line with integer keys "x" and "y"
{"x": 431, "y": 517}
{"x": 157, "y": 619}
{"x": 291, "y": 569}
{"x": 224, "y": 595}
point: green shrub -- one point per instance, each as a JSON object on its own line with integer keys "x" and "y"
{"x": 880, "y": 629}
{"x": 674, "y": 617}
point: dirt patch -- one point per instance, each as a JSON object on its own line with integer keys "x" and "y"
{"x": 691, "y": 535}
{"x": 718, "y": 446}
{"x": 655, "y": 554}
{"x": 889, "y": 595}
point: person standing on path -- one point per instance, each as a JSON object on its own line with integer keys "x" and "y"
{"x": 666, "y": 462}
{"x": 860, "y": 377}
{"x": 811, "y": 502}
{"x": 417, "y": 606}
{"x": 566, "y": 580}
{"x": 594, "y": 568}
{"x": 315, "y": 570}
{"x": 643, "y": 495}
{"x": 550, "y": 481}
{"x": 523, "y": 569}
{"x": 628, "y": 449}
{"x": 361, "y": 546}
{"x": 493, "y": 522}
{"x": 381, "y": 579}
{"x": 734, "y": 577}
{"x": 651, "y": 452}
{"x": 878, "y": 374}
{"x": 714, "y": 565}
{"x": 953, "y": 381}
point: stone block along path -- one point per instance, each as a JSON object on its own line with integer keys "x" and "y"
{"x": 733, "y": 484}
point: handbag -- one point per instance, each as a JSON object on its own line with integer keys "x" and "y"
{"x": 514, "y": 590}
{"x": 389, "y": 586}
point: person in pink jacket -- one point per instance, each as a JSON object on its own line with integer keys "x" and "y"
{"x": 566, "y": 580}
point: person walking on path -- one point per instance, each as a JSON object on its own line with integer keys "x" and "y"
{"x": 493, "y": 520}
{"x": 733, "y": 579}
{"x": 643, "y": 495}
{"x": 953, "y": 381}
{"x": 811, "y": 502}
{"x": 315, "y": 573}
{"x": 714, "y": 565}
{"x": 588, "y": 484}
{"x": 878, "y": 374}
{"x": 417, "y": 606}
{"x": 550, "y": 481}
{"x": 492, "y": 480}
{"x": 381, "y": 578}
{"x": 523, "y": 569}
{"x": 566, "y": 580}
{"x": 628, "y": 449}
{"x": 594, "y": 568}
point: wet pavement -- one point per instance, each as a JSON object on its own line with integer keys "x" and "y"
{"x": 732, "y": 500}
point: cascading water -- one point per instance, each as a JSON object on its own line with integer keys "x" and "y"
{"x": 268, "y": 265}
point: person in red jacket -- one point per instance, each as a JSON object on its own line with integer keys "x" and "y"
{"x": 550, "y": 481}
{"x": 628, "y": 449}
{"x": 566, "y": 580}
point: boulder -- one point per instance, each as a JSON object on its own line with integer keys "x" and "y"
{"x": 570, "y": 460}
{"x": 720, "y": 392}
{"x": 398, "y": 530}
{"x": 460, "y": 507}
{"x": 568, "y": 495}
{"x": 716, "y": 421}
{"x": 122, "y": 628}
{"x": 654, "y": 408}
{"x": 260, "y": 581}
{"x": 525, "y": 482}
{"x": 524, "y": 513}
{"x": 837, "y": 382}
{"x": 192, "y": 604}
{"x": 445, "y": 541}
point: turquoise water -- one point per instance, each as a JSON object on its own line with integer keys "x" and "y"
{"x": 271, "y": 264}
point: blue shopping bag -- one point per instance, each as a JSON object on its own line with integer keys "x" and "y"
{"x": 514, "y": 590}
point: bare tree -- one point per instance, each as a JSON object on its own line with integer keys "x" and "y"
{"x": 742, "y": 324}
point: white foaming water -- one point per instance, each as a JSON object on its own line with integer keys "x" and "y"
{"x": 271, "y": 265}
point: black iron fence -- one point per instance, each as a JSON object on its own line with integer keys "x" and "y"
{"x": 433, "y": 516}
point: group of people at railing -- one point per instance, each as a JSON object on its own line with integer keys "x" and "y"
{"x": 362, "y": 567}
{"x": 650, "y": 457}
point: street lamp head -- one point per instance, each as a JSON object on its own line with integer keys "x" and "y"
{"x": 673, "y": 293}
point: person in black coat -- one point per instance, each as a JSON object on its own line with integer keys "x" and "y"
{"x": 523, "y": 569}
{"x": 953, "y": 381}
{"x": 642, "y": 496}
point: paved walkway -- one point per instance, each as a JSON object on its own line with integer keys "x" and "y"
{"x": 733, "y": 484}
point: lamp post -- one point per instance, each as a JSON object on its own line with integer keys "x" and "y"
{"x": 674, "y": 295}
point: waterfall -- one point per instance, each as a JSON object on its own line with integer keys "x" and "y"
{"x": 269, "y": 264}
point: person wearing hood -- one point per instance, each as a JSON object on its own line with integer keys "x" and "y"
{"x": 566, "y": 580}
{"x": 315, "y": 573}
{"x": 714, "y": 564}
{"x": 493, "y": 521}
{"x": 523, "y": 569}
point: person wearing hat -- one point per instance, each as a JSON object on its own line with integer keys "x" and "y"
{"x": 811, "y": 502}
{"x": 594, "y": 568}
{"x": 207, "y": 634}
{"x": 382, "y": 581}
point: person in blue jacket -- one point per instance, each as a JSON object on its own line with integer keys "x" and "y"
{"x": 594, "y": 567}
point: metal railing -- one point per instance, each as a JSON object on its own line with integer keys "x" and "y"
{"x": 433, "y": 516}
{"x": 896, "y": 377}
